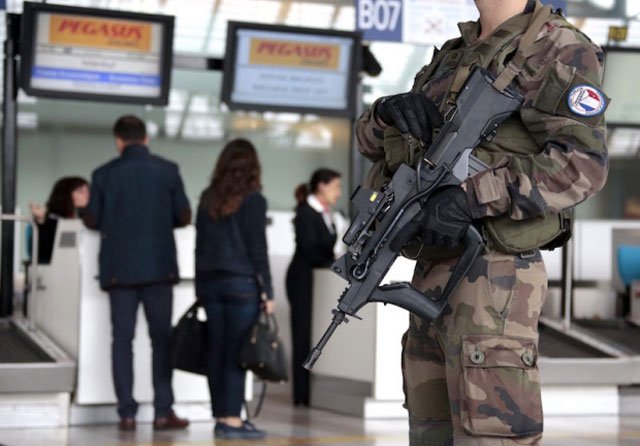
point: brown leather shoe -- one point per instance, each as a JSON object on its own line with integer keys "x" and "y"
{"x": 172, "y": 421}
{"x": 127, "y": 424}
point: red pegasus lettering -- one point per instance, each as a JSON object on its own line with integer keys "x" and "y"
{"x": 266, "y": 47}
{"x": 135, "y": 32}
{"x": 70, "y": 25}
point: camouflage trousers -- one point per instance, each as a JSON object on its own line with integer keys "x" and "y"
{"x": 471, "y": 378}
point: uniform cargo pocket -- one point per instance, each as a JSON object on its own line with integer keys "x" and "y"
{"x": 500, "y": 386}
{"x": 554, "y": 87}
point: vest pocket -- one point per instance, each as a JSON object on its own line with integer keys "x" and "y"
{"x": 500, "y": 386}
{"x": 516, "y": 236}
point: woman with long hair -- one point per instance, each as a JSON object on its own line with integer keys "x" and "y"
{"x": 231, "y": 253}
{"x": 315, "y": 239}
{"x": 68, "y": 198}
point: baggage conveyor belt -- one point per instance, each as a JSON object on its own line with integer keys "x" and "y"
{"x": 31, "y": 363}
{"x": 617, "y": 332}
{"x": 575, "y": 356}
{"x": 16, "y": 347}
{"x": 555, "y": 344}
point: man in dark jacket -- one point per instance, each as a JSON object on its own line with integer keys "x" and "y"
{"x": 136, "y": 201}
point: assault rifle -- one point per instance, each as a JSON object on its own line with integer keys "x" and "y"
{"x": 382, "y": 216}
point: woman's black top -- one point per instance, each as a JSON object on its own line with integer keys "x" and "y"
{"x": 236, "y": 244}
{"x": 314, "y": 240}
{"x": 47, "y": 237}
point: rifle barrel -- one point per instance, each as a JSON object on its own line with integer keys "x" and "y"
{"x": 338, "y": 318}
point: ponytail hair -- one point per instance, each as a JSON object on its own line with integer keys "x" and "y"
{"x": 301, "y": 193}
{"x": 320, "y": 176}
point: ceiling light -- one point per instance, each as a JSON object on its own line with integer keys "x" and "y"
{"x": 346, "y": 18}
{"x": 314, "y": 15}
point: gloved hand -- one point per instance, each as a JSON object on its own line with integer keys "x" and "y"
{"x": 447, "y": 218}
{"x": 410, "y": 113}
{"x": 443, "y": 222}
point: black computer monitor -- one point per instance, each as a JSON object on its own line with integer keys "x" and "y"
{"x": 290, "y": 69}
{"x": 95, "y": 54}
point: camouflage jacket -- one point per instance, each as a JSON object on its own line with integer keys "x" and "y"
{"x": 552, "y": 154}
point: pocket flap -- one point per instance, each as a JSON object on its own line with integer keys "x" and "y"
{"x": 498, "y": 351}
{"x": 565, "y": 92}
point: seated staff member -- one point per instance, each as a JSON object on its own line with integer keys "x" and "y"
{"x": 68, "y": 199}
{"x": 315, "y": 239}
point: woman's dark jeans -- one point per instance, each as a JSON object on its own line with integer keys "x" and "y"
{"x": 232, "y": 304}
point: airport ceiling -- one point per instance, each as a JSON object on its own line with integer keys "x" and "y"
{"x": 201, "y": 30}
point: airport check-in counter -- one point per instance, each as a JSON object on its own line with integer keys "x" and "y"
{"x": 359, "y": 370}
{"x": 74, "y": 312}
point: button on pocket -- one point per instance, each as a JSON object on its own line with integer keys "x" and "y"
{"x": 528, "y": 359}
{"x": 477, "y": 357}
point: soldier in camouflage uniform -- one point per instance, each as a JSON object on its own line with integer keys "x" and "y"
{"x": 471, "y": 377}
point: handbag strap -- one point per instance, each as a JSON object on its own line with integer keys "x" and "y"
{"x": 258, "y": 409}
{"x": 192, "y": 311}
{"x": 271, "y": 322}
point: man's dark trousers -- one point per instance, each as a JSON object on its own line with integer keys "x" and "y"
{"x": 157, "y": 301}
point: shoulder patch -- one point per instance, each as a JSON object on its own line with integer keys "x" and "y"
{"x": 586, "y": 101}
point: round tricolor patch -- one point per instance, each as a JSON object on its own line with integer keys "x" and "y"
{"x": 584, "y": 100}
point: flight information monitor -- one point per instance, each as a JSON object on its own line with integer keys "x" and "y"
{"x": 93, "y": 54}
{"x": 290, "y": 69}
{"x": 621, "y": 85}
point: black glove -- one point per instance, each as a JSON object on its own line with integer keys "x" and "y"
{"x": 443, "y": 222}
{"x": 410, "y": 113}
{"x": 447, "y": 218}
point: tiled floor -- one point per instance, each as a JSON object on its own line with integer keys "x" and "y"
{"x": 315, "y": 428}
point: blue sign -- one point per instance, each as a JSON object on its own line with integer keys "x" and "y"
{"x": 3, "y": 4}
{"x": 380, "y": 19}
{"x": 557, "y": 4}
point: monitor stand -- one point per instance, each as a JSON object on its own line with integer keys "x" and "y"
{"x": 634, "y": 296}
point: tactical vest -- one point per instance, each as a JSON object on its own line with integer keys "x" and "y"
{"x": 442, "y": 80}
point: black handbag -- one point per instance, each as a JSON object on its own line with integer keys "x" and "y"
{"x": 263, "y": 352}
{"x": 189, "y": 342}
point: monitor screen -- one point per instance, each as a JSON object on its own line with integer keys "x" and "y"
{"x": 621, "y": 86}
{"x": 281, "y": 68}
{"x": 93, "y": 54}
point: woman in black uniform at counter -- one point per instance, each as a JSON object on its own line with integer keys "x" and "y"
{"x": 315, "y": 239}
